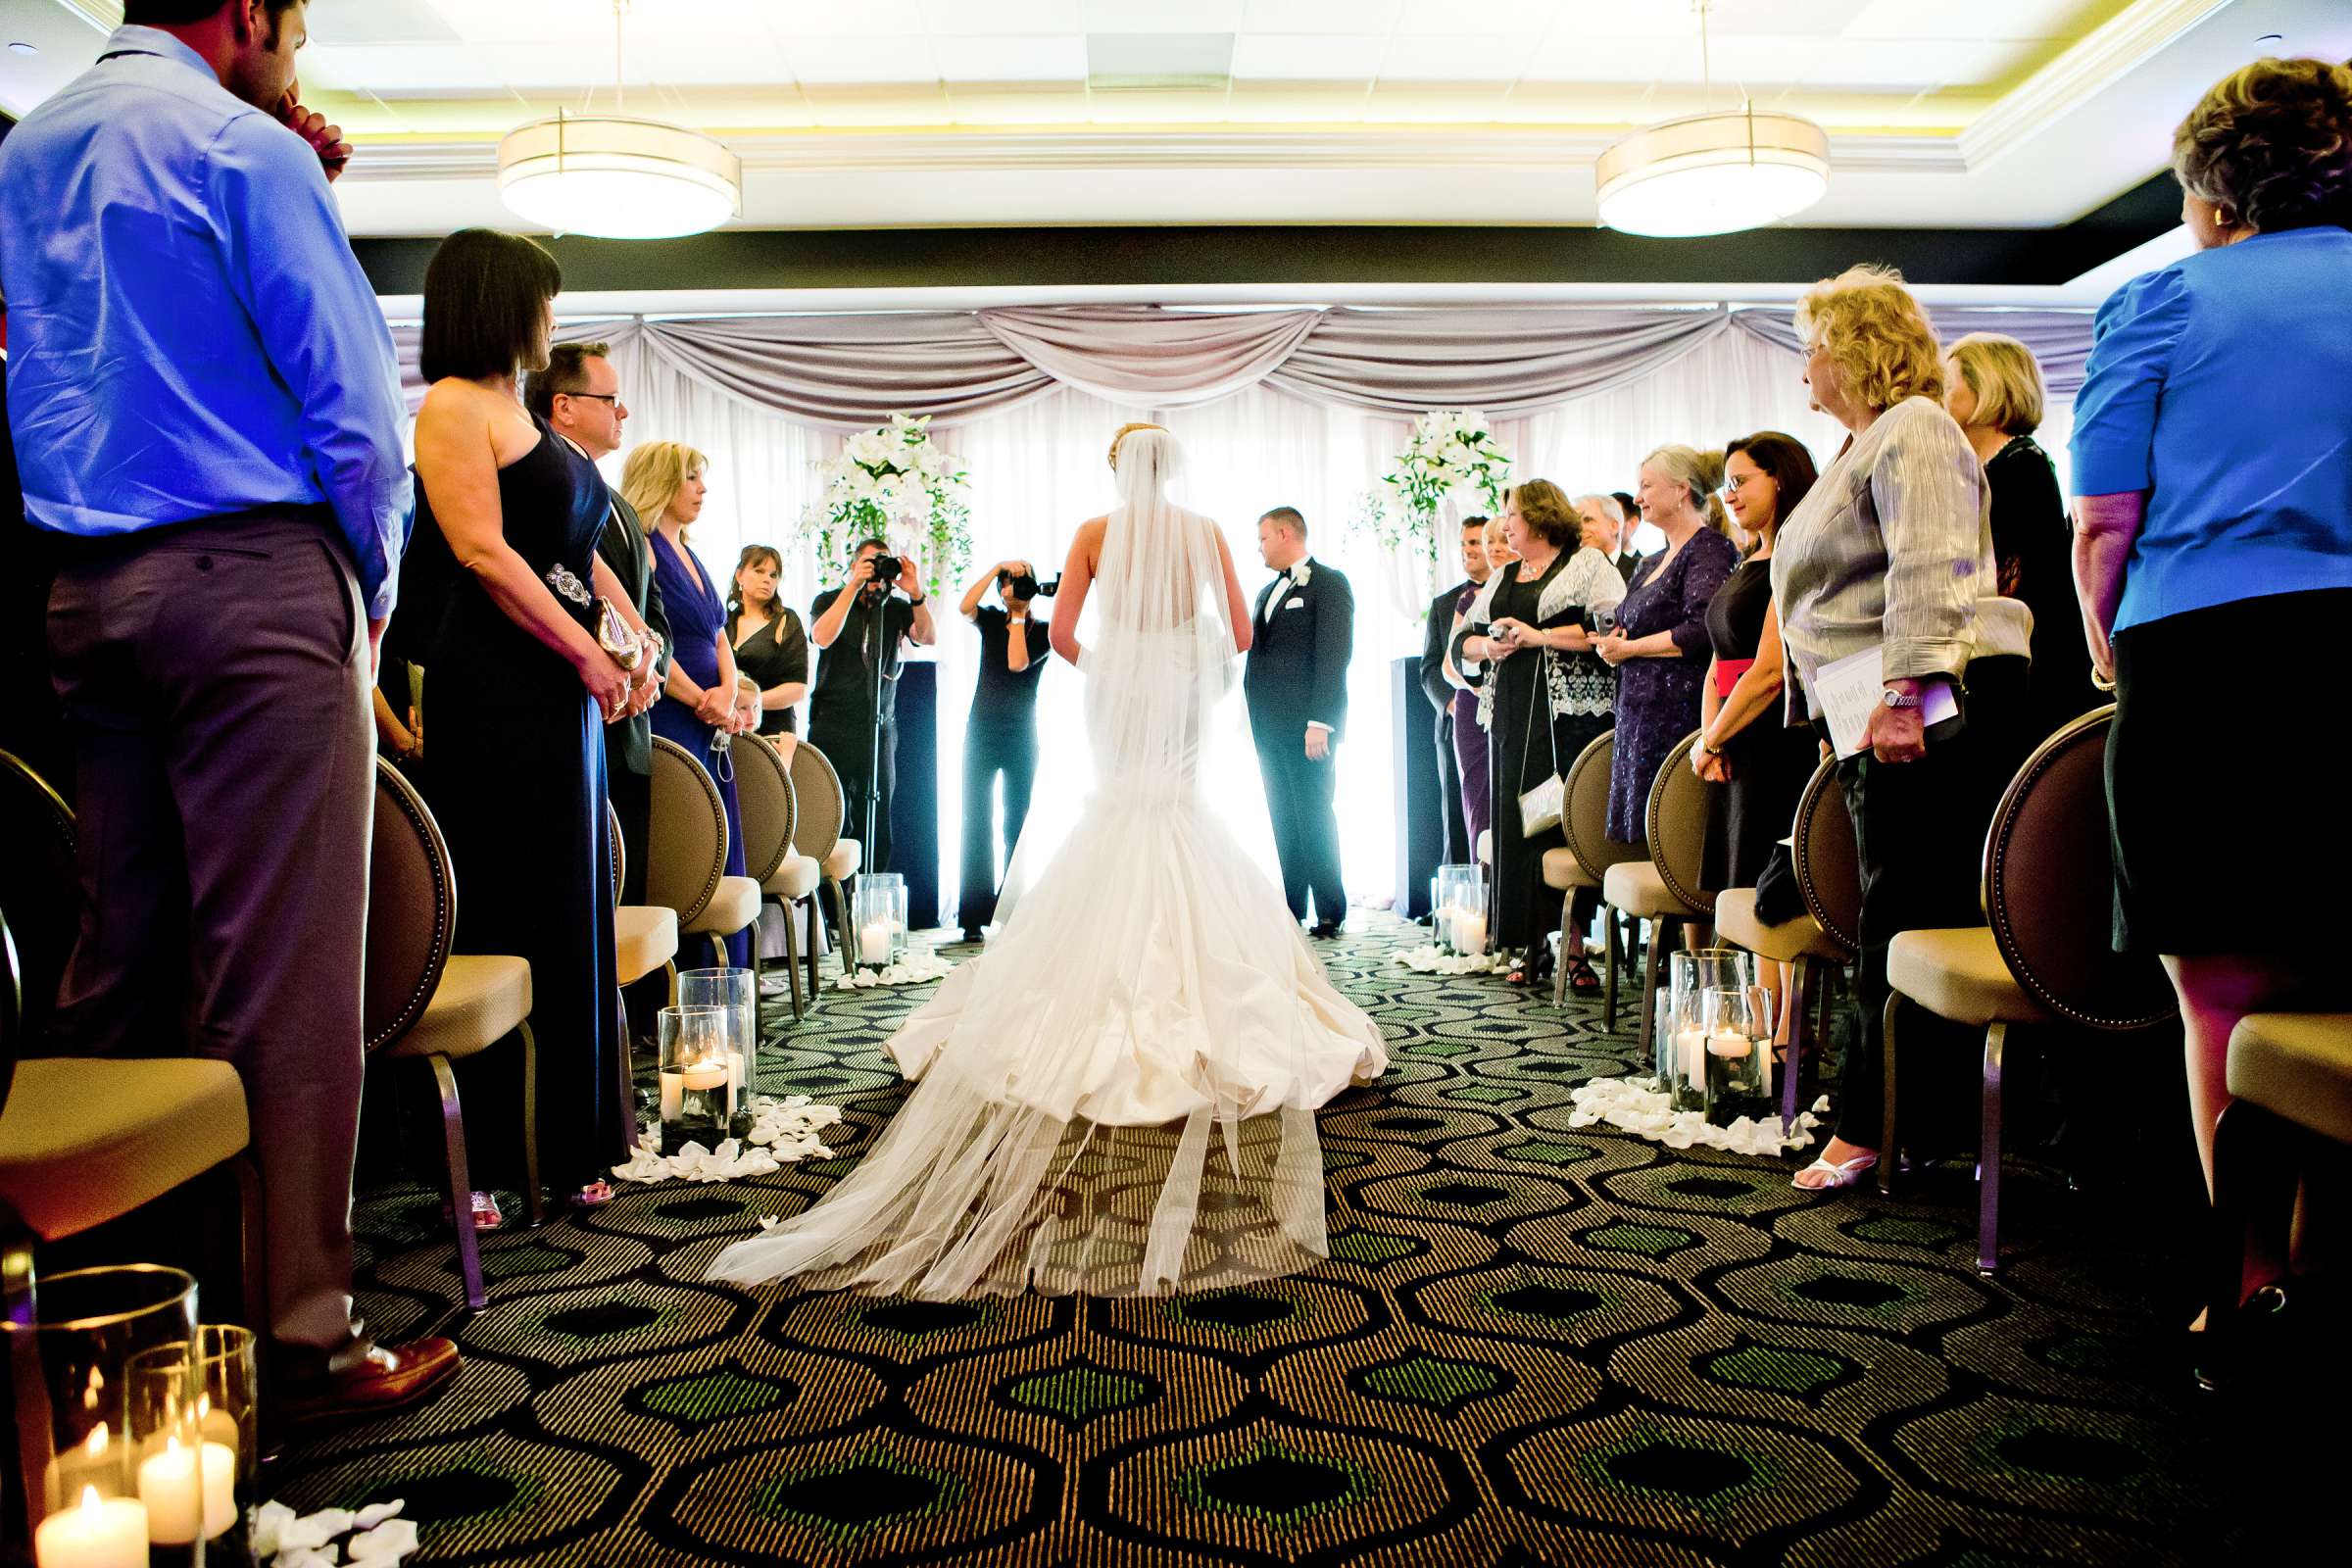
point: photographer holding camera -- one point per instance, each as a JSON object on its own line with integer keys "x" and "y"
{"x": 1000, "y": 737}
{"x": 882, "y": 605}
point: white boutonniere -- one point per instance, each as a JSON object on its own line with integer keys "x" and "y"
{"x": 1301, "y": 572}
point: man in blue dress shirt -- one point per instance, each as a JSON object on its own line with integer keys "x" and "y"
{"x": 207, "y": 409}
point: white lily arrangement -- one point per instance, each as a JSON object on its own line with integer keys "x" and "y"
{"x": 1451, "y": 453}
{"x": 890, "y": 480}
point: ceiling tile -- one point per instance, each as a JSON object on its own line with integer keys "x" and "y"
{"x": 1021, "y": 104}
{"x": 1009, "y": 58}
{"x": 983, "y": 17}
{"x": 1885, "y": 62}
{"x": 1452, "y": 57}
{"x": 1606, "y": 106}
{"x": 1322, "y": 16}
{"x": 837, "y": 61}
{"x": 1276, "y": 57}
{"x": 1300, "y": 103}
{"x": 1978, "y": 19}
{"x": 379, "y": 22}
{"x": 389, "y": 68}
{"x": 1160, "y": 16}
{"x": 813, "y": 19}
{"x": 1494, "y": 15}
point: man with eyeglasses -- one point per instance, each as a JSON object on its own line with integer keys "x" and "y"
{"x": 578, "y": 395}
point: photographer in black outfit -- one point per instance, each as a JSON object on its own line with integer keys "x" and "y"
{"x": 841, "y": 707}
{"x": 1000, "y": 737}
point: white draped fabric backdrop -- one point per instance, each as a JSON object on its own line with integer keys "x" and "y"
{"x": 1036, "y": 471}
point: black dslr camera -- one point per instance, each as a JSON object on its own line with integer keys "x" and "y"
{"x": 1024, "y": 585}
{"x": 886, "y": 571}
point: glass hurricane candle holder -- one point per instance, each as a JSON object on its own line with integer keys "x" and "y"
{"x": 76, "y": 1441}
{"x": 736, "y": 993}
{"x": 695, "y": 1076}
{"x": 1459, "y": 923}
{"x": 1738, "y": 1053}
{"x": 879, "y": 914}
{"x": 1682, "y": 1026}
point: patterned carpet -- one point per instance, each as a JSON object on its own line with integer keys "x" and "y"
{"x": 1532, "y": 1345}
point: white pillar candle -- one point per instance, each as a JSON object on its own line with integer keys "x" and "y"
{"x": 1725, "y": 1043}
{"x": 673, "y": 1096}
{"x": 702, "y": 1075}
{"x": 97, "y": 1532}
{"x": 178, "y": 1510}
{"x": 1470, "y": 933}
{"x": 873, "y": 942}
{"x": 221, "y": 1427}
{"x": 734, "y": 1080}
{"x": 1691, "y": 1054}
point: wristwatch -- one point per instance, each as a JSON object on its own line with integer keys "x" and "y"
{"x": 1895, "y": 699}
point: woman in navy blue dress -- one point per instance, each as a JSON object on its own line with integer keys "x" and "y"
{"x": 521, "y": 692}
{"x": 663, "y": 482}
{"x": 1660, "y": 645}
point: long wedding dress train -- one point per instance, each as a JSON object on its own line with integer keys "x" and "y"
{"x": 1118, "y": 1097}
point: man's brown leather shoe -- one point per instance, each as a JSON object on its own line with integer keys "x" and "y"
{"x": 386, "y": 1379}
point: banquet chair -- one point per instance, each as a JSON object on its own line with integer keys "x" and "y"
{"x": 817, "y": 834}
{"x": 421, "y": 1001}
{"x": 86, "y": 1139}
{"x": 645, "y": 938}
{"x": 1663, "y": 889}
{"x": 763, "y": 790}
{"x": 1825, "y": 937}
{"x": 2290, "y": 1116}
{"x": 1586, "y": 859}
{"x": 686, "y": 854}
{"x": 2044, "y": 958}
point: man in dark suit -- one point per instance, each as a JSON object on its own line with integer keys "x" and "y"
{"x": 1297, "y": 686}
{"x": 578, "y": 395}
{"x": 1626, "y": 516}
{"x": 1436, "y": 634}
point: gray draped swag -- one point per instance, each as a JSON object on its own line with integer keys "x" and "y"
{"x": 851, "y": 371}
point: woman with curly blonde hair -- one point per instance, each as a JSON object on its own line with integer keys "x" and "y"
{"x": 1892, "y": 549}
{"x": 2213, "y": 551}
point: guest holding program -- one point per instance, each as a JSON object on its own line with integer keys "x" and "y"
{"x": 1892, "y": 549}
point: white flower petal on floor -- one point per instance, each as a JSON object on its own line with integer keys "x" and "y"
{"x": 1434, "y": 960}
{"x": 286, "y": 1539}
{"x": 1633, "y": 1105}
{"x": 915, "y": 969}
{"x": 783, "y": 1132}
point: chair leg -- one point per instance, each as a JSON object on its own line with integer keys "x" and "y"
{"x": 669, "y": 968}
{"x": 253, "y": 1273}
{"x": 1609, "y": 990}
{"x": 1790, "y": 1063}
{"x": 461, "y": 1185}
{"x": 1559, "y": 968}
{"x": 1891, "y": 1149}
{"x": 533, "y": 1205}
{"x": 1653, "y": 962}
{"x": 841, "y": 924}
{"x": 816, "y": 929}
{"x": 1988, "y": 1157}
{"x": 791, "y": 953}
{"x": 17, "y": 1282}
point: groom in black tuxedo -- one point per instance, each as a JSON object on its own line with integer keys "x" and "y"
{"x": 1297, "y": 685}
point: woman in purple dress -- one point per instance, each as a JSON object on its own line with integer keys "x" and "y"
{"x": 1661, "y": 645}
{"x": 663, "y": 482}
{"x": 1469, "y": 734}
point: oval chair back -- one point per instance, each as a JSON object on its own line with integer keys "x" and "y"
{"x": 1828, "y": 873}
{"x": 40, "y": 888}
{"x": 763, "y": 797}
{"x": 620, "y": 851}
{"x": 819, "y": 806}
{"x": 1585, "y": 821}
{"x": 686, "y": 849}
{"x": 2049, "y": 887}
{"x": 412, "y": 910}
{"x": 1676, "y": 824}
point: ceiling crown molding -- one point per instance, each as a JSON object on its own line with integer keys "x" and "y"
{"x": 930, "y": 152}
{"x": 2106, "y": 56}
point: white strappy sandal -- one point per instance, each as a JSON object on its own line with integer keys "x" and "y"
{"x": 1850, "y": 1174}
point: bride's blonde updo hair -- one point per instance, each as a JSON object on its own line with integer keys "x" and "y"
{"x": 1121, "y": 434}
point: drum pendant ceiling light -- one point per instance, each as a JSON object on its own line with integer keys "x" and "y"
{"x": 1713, "y": 173}
{"x": 616, "y": 177}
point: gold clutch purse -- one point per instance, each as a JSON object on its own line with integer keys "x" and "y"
{"x": 617, "y": 637}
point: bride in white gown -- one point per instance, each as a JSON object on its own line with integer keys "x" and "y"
{"x": 1118, "y": 1097}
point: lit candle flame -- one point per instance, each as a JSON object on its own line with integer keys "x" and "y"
{"x": 90, "y": 1506}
